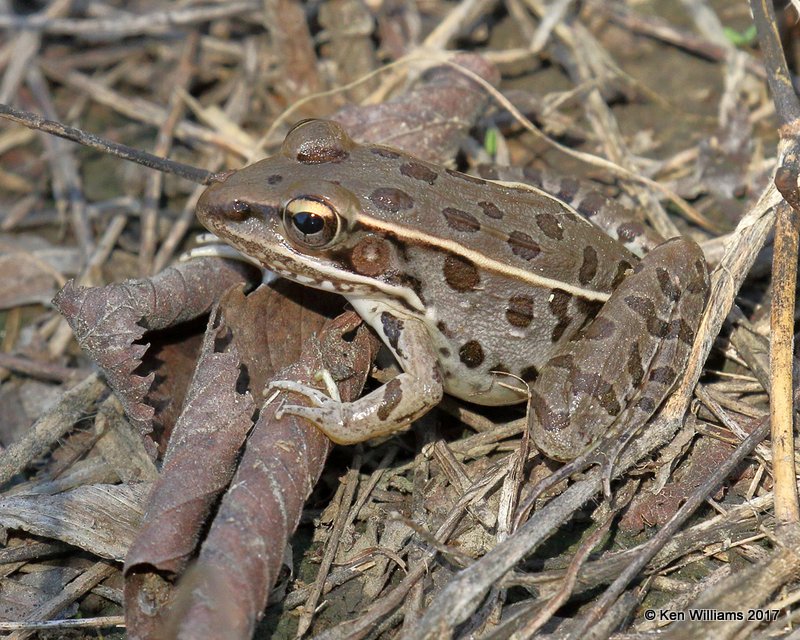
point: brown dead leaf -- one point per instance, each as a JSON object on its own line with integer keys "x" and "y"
{"x": 249, "y": 338}
{"x": 244, "y": 549}
{"x": 654, "y": 510}
{"x": 110, "y": 321}
{"x": 432, "y": 119}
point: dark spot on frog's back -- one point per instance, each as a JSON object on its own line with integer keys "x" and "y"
{"x": 701, "y": 267}
{"x": 559, "y": 303}
{"x": 471, "y": 354}
{"x": 645, "y": 308}
{"x": 383, "y": 152}
{"x": 523, "y": 246}
{"x": 549, "y": 226}
{"x": 419, "y": 171}
{"x": 460, "y": 273}
{"x": 275, "y": 178}
{"x": 391, "y": 199}
{"x": 559, "y": 307}
{"x": 699, "y": 285}
{"x": 634, "y": 365}
{"x": 519, "y": 312}
{"x": 588, "y": 268}
{"x": 642, "y": 306}
{"x": 682, "y": 330}
{"x": 663, "y": 375}
{"x": 491, "y": 210}
{"x": 594, "y": 385}
{"x": 392, "y": 328}
{"x": 591, "y": 204}
{"x": 459, "y": 220}
{"x": 668, "y": 287}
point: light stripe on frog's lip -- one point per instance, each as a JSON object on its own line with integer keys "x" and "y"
{"x": 322, "y": 272}
{"x": 479, "y": 259}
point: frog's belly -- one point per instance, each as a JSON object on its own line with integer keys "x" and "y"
{"x": 486, "y": 358}
{"x": 496, "y": 380}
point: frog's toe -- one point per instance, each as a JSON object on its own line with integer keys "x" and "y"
{"x": 317, "y": 397}
{"x": 309, "y": 413}
{"x": 327, "y": 418}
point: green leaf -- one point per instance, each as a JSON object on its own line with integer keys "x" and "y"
{"x": 490, "y": 141}
{"x": 741, "y": 38}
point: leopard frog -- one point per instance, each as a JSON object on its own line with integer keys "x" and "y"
{"x": 478, "y": 288}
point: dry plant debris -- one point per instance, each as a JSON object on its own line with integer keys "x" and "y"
{"x": 143, "y": 466}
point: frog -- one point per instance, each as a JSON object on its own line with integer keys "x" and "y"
{"x": 495, "y": 293}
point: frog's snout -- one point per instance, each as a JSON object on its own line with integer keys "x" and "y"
{"x": 220, "y": 206}
{"x": 210, "y": 207}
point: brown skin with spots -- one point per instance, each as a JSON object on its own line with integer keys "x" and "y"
{"x": 609, "y": 215}
{"x": 455, "y": 273}
{"x": 634, "y": 343}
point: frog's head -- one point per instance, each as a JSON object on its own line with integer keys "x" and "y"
{"x": 292, "y": 213}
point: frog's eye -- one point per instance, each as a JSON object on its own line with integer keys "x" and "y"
{"x": 313, "y": 223}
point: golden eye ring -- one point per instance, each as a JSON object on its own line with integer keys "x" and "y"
{"x": 311, "y": 222}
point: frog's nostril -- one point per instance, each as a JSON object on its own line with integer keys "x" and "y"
{"x": 240, "y": 210}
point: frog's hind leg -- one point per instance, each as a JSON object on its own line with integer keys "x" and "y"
{"x": 599, "y": 388}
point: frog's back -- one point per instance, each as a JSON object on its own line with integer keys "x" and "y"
{"x": 498, "y": 227}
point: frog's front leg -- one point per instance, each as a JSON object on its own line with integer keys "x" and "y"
{"x": 614, "y": 373}
{"x": 389, "y": 408}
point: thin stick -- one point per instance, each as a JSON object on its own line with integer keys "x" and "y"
{"x": 34, "y": 121}
{"x": 784, "y": 266}
{"x": 78, "y": 623}
{"x": 781, "y": 347}
{"x": 51, "y": 426}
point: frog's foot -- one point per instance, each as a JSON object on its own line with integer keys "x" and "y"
{"x": 611, "y": 455}
{"x": 388, "y": 409}
{"x": 326, "y": 412}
